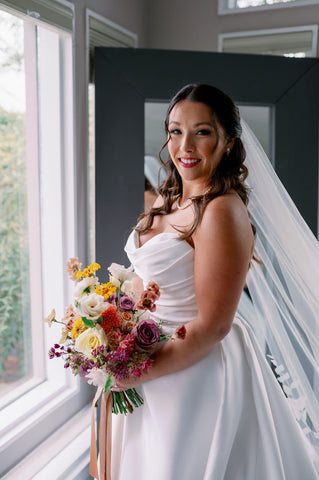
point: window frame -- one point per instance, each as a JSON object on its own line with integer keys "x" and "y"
{"x": 47, "y": 401}
{"x": 222, "y": 9}
{"x": 269, "y": 32}
{"x": 38, "y": 435}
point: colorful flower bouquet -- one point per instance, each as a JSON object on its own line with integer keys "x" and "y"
{"x": 105, "y": 335}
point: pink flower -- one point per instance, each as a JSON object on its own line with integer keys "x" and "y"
{"x": 70, "y": 317}
{"x": 147, "y": 301}
{"x": 73, "y": 266}
{"x": 153, "y": 287}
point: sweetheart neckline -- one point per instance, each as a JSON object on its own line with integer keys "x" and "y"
{"x": 175, "y": 234}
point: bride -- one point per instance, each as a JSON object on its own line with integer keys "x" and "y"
{"x": 213, "y": 408}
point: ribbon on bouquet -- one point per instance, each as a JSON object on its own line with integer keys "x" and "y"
{"x": 105, "y": 436}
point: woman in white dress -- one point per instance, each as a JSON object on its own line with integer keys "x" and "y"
{"x": 213, "y": 409}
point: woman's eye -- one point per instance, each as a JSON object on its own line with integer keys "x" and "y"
{"x": 203, "y": 132}
{"x": 175, "y": 131}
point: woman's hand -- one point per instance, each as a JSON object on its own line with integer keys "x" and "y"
{"x": 127, "y": 383}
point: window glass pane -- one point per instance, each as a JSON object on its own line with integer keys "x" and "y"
{"x": 257, "y": 3}
{"x": 287, "y": 42}
{"x": 15, "y": 346}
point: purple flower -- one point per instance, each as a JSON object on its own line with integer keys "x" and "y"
{"x": 51, "y": 352}
{"x": 113, "y": 298}
{"x": 146, "y": 334}
{"x": 85, "y": 367}
{"x": 126, "y": 303}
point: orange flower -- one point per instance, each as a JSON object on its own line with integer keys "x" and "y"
{"x": 110, "y": 318}
{"x": 128, "y": 321}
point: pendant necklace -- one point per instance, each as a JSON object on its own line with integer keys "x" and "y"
{"x": 189, "y": 201}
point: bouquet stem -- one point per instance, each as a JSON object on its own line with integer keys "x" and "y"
{"x": 123, "y": 402}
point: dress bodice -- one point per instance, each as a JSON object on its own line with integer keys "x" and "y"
{"x": 168, "y": 261}
{"x": 229, "y": 402}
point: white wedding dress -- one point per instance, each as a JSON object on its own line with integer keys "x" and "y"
{"x": 224, "y": 418}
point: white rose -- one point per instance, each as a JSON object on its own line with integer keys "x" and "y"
{"x": 120, "y": 273}
{"x": 84, "y": 287}
{"x": 90, "y": 339}
{"x": 91, "y": 306}
{"x": 127, "y": 287}
{"x": 96, "y": 377}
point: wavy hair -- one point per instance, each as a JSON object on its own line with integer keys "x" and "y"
{"x": 230, "y": 174}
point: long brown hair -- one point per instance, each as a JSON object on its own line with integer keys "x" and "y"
{"x": 230, "y": 174}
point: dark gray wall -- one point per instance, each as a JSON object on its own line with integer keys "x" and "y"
{"x": 125, "y": 78}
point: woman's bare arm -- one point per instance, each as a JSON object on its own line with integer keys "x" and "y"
{"x": 223, "y": 247}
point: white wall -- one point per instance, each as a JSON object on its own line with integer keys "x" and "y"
{"x": 190, "y": 25}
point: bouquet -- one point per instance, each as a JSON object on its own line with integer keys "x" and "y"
{"x": 106, "y": 333}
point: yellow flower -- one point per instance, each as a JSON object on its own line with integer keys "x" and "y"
{"x": 78, "y": 327}
{"x": 99, "y": 290}
{"x": 92, "y": 338}
{"x": 95, "y": 266}
{"x": 105, "y": 289}
{"x": 88, "y": 271}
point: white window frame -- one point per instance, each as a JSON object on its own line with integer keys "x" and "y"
{"x": 266, "y": 32}
{"x": 37, "y": 432}
{"x": 51, "y": 399}
{"x": 224, "y": 10}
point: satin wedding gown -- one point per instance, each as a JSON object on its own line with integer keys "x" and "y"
{"x": 224, "y": 418}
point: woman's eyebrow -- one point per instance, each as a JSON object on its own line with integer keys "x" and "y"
{"x": 195, "y": 124}
{"x": 203, "y": 123}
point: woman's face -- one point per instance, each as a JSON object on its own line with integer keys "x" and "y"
{"x": 196, "y": 145}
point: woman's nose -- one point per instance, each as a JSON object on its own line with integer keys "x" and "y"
{"x": 187, "y": 143}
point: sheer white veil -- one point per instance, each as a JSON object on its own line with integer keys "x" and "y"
{"x": 284, "y": 289}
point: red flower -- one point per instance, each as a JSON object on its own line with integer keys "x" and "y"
{"x": 180, "y": 332}
{"x": 110, "y": 318}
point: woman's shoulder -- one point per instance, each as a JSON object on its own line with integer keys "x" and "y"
{"x": 227, "y": 215}
{"x": 230, "y": 205}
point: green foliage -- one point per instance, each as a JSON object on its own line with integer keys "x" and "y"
{"x": 14, "y": 262}
{"x": 88, "y": 323}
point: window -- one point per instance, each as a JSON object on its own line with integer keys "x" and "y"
{"x": 293, "y": 42}
{"x": 15, "y": 346}
{"x": 100, "y": 33}
{"x": 37, "y": 221}
{"x": 237, "y": 6}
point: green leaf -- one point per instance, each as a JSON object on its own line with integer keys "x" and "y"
{"x": 88, "y": 323}
{"x": 108, "y": 384}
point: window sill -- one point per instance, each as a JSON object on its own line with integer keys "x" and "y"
{"x": 30, "y": 420}
{"x": 65, "y": 455}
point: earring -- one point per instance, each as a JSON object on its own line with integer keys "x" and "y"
{"x": 228, "y": 151}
